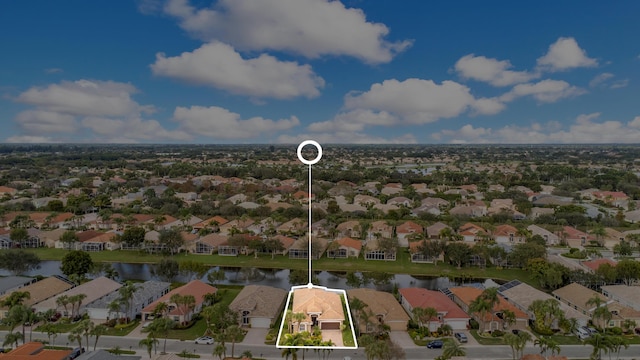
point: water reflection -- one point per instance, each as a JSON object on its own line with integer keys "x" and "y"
{"x": 271, "y": 277}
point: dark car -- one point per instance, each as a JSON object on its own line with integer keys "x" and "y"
{"x": 461, "y": 337}
{"x": 435, "y": 344}
{"x": 76, "y": 352}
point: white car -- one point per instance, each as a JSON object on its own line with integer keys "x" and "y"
{"x": 207, "y": 340}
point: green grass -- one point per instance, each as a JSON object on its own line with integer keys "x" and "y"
{"x": 123, "y": 331}
{"x": 347, "y": 337}
{"x": 60, "y": 327}
{"x": 402, "y": 265}
{"x": 482, "y": 340}
{"x": 565, "y": 339}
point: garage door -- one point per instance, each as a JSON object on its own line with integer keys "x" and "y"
{"x": 330, "y": 326}
{"x": 260, "y": 323}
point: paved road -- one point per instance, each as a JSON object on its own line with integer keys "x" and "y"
{"x": 271, "y": 352}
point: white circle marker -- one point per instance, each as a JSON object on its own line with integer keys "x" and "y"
{"x": 309, "y": 142}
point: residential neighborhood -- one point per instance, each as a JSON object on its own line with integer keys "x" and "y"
{"x": 193, "y": 221}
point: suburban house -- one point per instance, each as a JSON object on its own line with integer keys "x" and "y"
{"x": 523, "y": 295}
{"x": 448, "y": 312}
{"x": 624, "y": 294}
{"x": 323, "y": 309}
{"x": 178, "y": 313}
{"x": 300, "y": 248}
{"x": 212, "y": 224}
{"x": 469, "y": 210}
{"x": 471, "y": 232}
{"x": 235, "y": 226}
{"x": 372, "y": 251}
{"x": 465, "y": 295}
{"x": 210, "y": 243}
{"x": 36, "y": 351}
{"x": 549, "y": 237}
{"x": 351, "y": 229}
{"x": 593, "y": 265}
{"x": 146, "y": 293}
{"x": 577, "y": 296}
{"x": 258, "y": 306}
{"x": 574, "y": 237}
{"x": 434, "y": 231}
{"x": 382, "y": 308}
{"x": 344, "y": 248}
{"x": 94, "y": 290}
{"x": 507, "y": 234}
{"x": 379, "y": 229}
{"x": 418, "y": 256}
{"x": 39, "y": 291}
{"x": 293, "y": 227}
{"x": 406, "y": 231}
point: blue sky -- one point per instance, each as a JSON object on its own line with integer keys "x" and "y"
{"x": 356, "y": 71}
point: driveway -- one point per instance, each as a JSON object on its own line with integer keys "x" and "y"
{"x": 334, "y": 335}
{"x": 403, "y": 339}
{"x": 255, "y": 336}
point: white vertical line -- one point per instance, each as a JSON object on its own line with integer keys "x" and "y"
{"x": 309, "y": 222}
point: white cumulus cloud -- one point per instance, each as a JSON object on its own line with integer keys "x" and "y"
{"x": 565, "y": 54}
{"x": 342, "y": 137}
{"x": 311, "y": 28}
{"x": 545, "y": 91}
{"x": 219, "y": 123}
{"x": 492, "y": 71}
{"x": 219, "y": 65}
{"x": 584, "y": 130}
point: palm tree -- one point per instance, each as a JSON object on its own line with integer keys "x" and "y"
{"x": 453, "y": 348}
{"x": 98, "y": 331}
{"x": 298, "y": 318}
{"x": 424, "y": 316}
{"x": 52, "y": 331}
{"x": 126, "y": 293}
{"x": 517, "y": 343}
{"x": 12, "y": 338}
{"x": 480, "y": 307}
{"x": 600, "y": 311}
{"x": 234, "y": 334}
{"x": 599, "y": 343}
{"x": 616, "y": 343}
{"x": 357, "y": 306}
{"x": 148, "y": 343}
{"x": 63, "y": 300}
{"x": 546, "y": 344}
{"x": 508, "y": 318}
{"x": 219, "y": 351}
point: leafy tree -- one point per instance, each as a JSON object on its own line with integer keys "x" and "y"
{"x": 622, "y": 248}
{"x": 628, "y": 270}
{"x": 12, "y": 338}
{"x": 171, "y": 239}
{"x": 69, "y": 238}
{"x": 214, "y": 276}
{"x": 76, "y": 262}
{"x": 424, "y": 316}
{"x": 133, "y": 236}
{"x": 298, "y": 277}
{"x": 521, "y": 253}
{"x": 545, "y": 313}
{"x": 167, "y": 269}
{"x": 18, "y": 261}
{"x": 15, "y": 298}
{"x": 18, "y": 234}
{"x": 458, "y": 253}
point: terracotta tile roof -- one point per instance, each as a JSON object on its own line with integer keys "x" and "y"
{"x": 196, "y": 288}
{"x": 408, "y": 227}
{"x": 573, "y": 233}
{"x": 504, "y": 230}
{"x": 35, "y": 350}
{"x": 349, "y": 242}
{"x": 419, "y": 297}
{"x": 285, "y": 241}
{"x": 596, "y": 263}
{"x": 315, "y": 300}
{"x": 88, "y": 235}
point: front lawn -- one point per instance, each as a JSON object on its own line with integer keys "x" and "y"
{"x": 124, "y": 330}
{"x": 486, "y": 340}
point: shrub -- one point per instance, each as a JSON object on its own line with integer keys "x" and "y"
{"x": 497, "y": 333}
{"x": 615, "y": 330}
{"x": 474, "y": 324}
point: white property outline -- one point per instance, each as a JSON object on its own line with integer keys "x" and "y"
{"x": 346, "y": 303}
{"x": 310, "y": 285}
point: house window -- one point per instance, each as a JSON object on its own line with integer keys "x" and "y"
{"x": 245, "y": 317}
{"x": 302, "y": 327}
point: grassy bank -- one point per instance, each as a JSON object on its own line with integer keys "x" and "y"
{"x": 402, "y": 265}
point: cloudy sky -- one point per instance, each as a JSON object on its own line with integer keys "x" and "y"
{"x": 350, "y": 71}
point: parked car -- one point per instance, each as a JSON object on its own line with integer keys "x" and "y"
{"x": 435, "y": 344}
{"x": 76, "y": 352}
{"x": 582, "y": 333}
{"x": 461, "y": 337}
{"x": 592, "y": 331}
{"x": 208, "y": 340}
